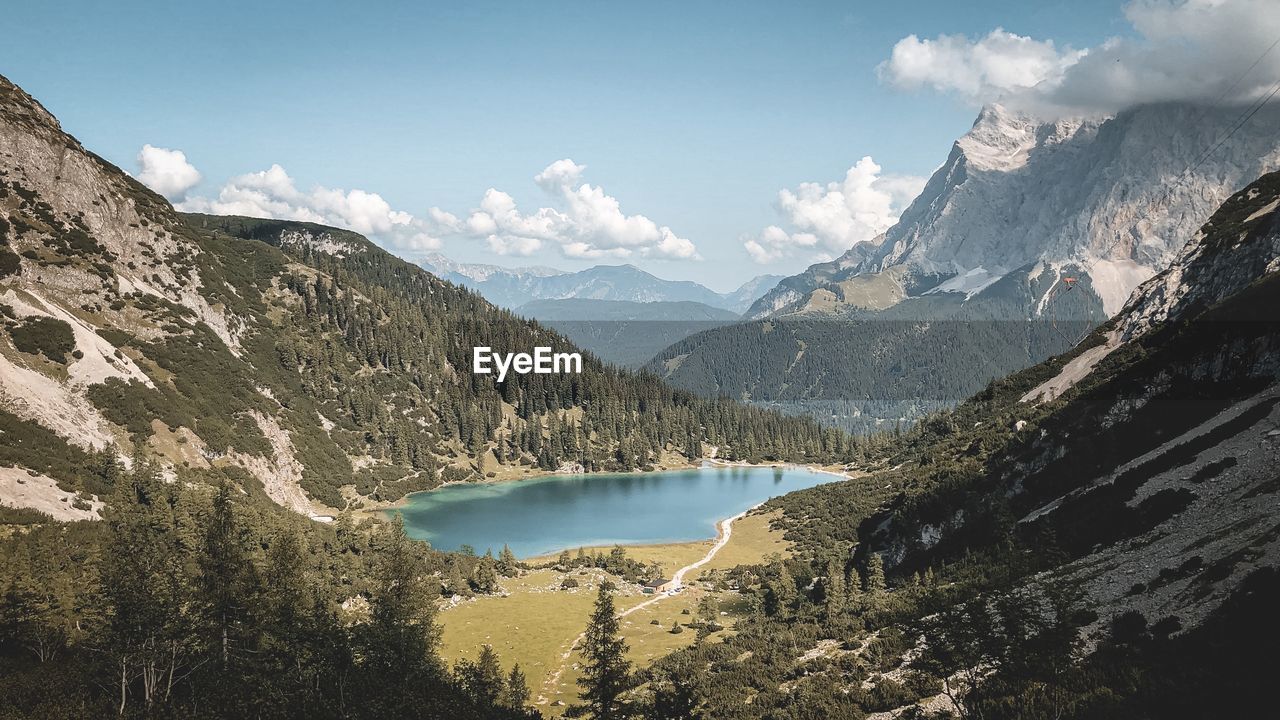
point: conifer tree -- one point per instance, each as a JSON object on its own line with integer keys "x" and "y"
{"x": 482, "y": 679}
{"x": 485, "y": 577}
{"x": 226, "y": 580}
{"x": 402, "y": 635}
{"x": 507, "y": 563}
{"x": 515, "y": 693}
{"x": 876, "y": 586}
{"x": 780, "y": 591}
{"x": 145, "y": 588}
{"x": 606, "y": 673}
{"x": 454, "y": 583}
{"x": 833, "y": 585}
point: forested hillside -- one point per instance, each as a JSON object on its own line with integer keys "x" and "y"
{"x": 304, "y": 360}
{"x": 865, "y": 371}
{"x": 189, "y": 600}
{"x": 174, "y": 382}
{"x": 1093, "y": 537}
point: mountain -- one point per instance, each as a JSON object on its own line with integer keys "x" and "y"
{"x": 628, "y": 334}
{"x": 1092, "y": 537}
{"x": 299, "y": 362}
{"x": 746, "y": 295}
{"x": 503, "y": 286}
{"x": 1029, "y": 234}
{"x": 1105, "y": 201}
{"x": 513, "y": 287}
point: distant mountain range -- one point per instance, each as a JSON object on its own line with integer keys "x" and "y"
{"x": 1025, "y": 237}
{"x": 513, "y": 287}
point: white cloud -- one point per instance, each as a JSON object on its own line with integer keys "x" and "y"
{"x": 980, "y": 70}
{"x": 1180, "y": 50}
{"x": 272, "y": 193}
{"x": 514, "y": 245}
{"x": 587, "y": 222}
{"x": 166, "y": 171}
{"x": 826, "y": 220}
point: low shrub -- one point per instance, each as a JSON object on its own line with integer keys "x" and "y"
{"x": 44, "y": 336}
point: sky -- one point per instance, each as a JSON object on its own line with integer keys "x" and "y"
{"x": 703, "y": 141}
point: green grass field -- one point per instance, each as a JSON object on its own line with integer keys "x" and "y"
{"x": 535, "y": 624}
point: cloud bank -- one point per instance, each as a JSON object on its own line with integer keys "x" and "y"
{"x": 166, "y": 171}
{"x": 1179, "y": 50}
{"x": 825, "y": 220}
{"x": 272, "y": 193}
{"x": 586, "y": 222}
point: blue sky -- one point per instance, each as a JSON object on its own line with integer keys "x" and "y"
{"x": 694, "y": 115}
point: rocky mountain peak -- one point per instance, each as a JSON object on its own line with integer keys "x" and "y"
{"x": 1000, "y": 139}
{"x": 1109, "y": 200}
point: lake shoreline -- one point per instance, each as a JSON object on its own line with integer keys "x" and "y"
{"x": 654, "y": 517}
{"x": 384, "y": 507}
{"x": 544, "y": 474}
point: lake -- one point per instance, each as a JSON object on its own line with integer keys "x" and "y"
{"x": 557, "y": 512}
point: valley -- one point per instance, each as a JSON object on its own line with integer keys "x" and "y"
{"x": 971, "y": 283}
{"x": 584, "y": 362}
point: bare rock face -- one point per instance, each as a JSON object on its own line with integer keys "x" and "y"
{"x": 1155, "y": 468}
{"x": 1110, "y": 202}
{"x": 1239, "y": 244}
{"x": 73, "y": 193}
{"x": 97, "y": 255}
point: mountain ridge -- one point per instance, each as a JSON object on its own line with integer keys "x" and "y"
{"x": 1025, "y": 237}
{"x": 513, "y": 287}
{"x": 301, "y": 362}
{"x": 1068, "y": 197}
{"x": 1120, "y": 534}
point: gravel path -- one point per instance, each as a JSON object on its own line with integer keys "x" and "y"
{"x": 725, "y": 531}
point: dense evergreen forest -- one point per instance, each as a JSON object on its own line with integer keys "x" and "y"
{"x": 234, "y": 363}
{"x": 192, "y": 601}
{"x": 301, "y": 353}
{"x": 866, "y": 371}
{"x": 372, "y": 330}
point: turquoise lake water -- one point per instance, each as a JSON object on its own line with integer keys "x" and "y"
{"x": 552, "y": 513}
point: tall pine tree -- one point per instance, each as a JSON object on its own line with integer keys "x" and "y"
{"x": 606, "y": 674}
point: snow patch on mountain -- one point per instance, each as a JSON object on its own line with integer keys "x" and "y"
{"x": 970, "y": 282}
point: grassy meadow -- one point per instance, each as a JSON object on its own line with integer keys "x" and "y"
{"x": 537, "y": 622}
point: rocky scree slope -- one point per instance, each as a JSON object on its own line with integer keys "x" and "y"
{"x": 1150, "y": 479}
